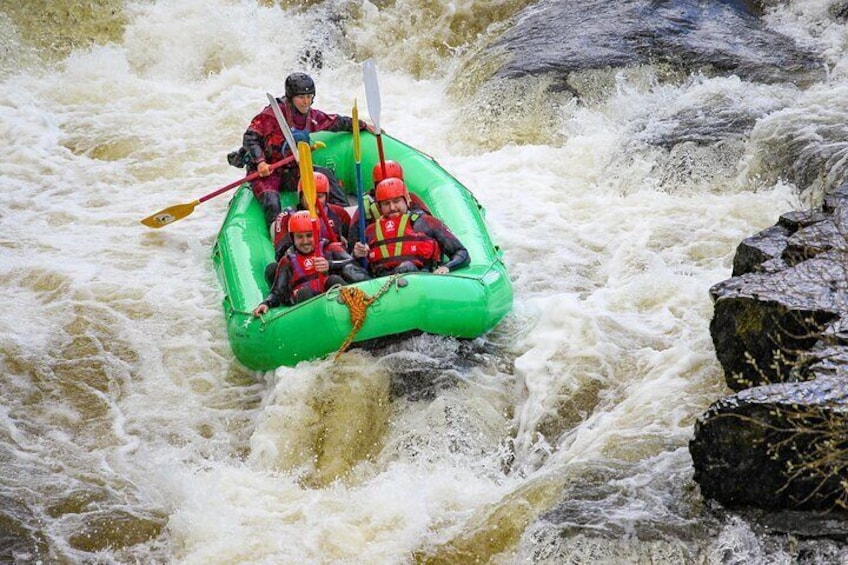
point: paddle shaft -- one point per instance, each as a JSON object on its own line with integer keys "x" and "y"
{"x": 252, "y": 176}
{"x": 380, "y": 153}
{"x": 357, "y": 159}
{"x": 361, "y": 205}
{"x": 360, "y": 202}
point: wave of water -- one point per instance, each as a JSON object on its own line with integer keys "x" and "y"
{"x": 130, "y": 434}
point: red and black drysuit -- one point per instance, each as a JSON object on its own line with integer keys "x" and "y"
{"x": 263, "y": 141}
{"x": 335, "y": 219}
{"x": 412, "y": 242}
{"x": 296, "y": 278}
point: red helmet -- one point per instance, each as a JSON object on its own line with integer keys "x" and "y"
{"x": 300, "y": 222}
{"x": 391, "y": 188}
{"x": 322, "y": 183}
{"x": 393, "y": 171}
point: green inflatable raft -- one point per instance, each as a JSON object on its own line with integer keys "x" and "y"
{"x": 466, "y": 303}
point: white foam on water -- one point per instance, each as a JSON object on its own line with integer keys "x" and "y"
{"x": 611, "y": 266}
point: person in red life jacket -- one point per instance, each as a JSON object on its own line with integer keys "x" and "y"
{"x": 405, "y": 241}
{"x": 263, "y": 142}
{"x": 334, "y": 222}
{"x": 304, "y": 271}
{"x": 372, "y": 211}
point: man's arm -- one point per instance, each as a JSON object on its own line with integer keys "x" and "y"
{"x": 448, "y": 242}
{"x": 335, "y": 122}
{"x": 280, "y": 292}
{"x": 255, "y": 136}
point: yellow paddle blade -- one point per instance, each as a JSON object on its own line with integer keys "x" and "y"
{"x": 307, "y": 177}
{"x": 169, "y": 215}
{"x": 357, "y": 153}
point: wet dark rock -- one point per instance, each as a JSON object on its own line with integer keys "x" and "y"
{"x": 762, "y": 322}
{"x": 725, "y": 120}
{"x": 812, "y": 241}
{"x": 806, "y": 525}
{"x": 423, "y": 366}
{"x": 586, "y": 49}
{"x": 828, "y": 357}
{"x": 790, "y": 285}
{"x": 560, "y": 38}
{"x": 780, "y": 332}
{"x": 797, "y": 219}
{"x": 839, "y": 11}
{"x": 773, "y": 446}
{"x": 755, "y": 253}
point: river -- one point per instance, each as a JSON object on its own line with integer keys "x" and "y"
{"x": 131, "y": 435}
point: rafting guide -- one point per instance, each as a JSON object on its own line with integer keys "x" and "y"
{"x": 263, "y": 143}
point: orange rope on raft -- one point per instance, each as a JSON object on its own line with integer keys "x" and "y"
{"x": 357, "y": 303}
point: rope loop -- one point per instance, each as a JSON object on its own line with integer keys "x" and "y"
{"x": 357, "y": 302}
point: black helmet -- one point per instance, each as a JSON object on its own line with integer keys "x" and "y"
{"x": 299, "y": 83}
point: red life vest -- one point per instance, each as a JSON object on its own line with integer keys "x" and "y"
{"x": 280, "y": 227}
{"x": 304, "y": 273}
{"x": 393, "y": 241}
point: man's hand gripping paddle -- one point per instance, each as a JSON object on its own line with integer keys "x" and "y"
{"x": 179, "y": 211}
